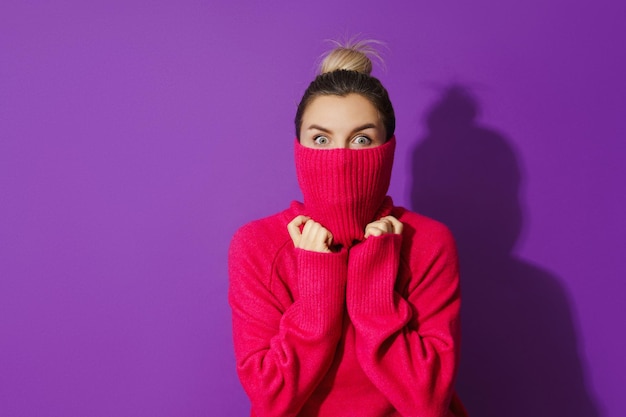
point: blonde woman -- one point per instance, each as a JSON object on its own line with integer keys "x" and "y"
{"x": 344, "y": 304}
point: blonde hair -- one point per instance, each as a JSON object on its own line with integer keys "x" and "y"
{"x": 346, "y": 70}
{"x": 351, "y": 55}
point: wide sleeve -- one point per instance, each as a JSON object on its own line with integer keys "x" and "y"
{"x": 283, "y": 352}
{"x": 407, "y": 339}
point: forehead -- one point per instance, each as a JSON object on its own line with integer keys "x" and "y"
{"x": 352, "y": 109}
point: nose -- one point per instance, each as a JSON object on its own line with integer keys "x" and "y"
{"x": 345, "y": 144}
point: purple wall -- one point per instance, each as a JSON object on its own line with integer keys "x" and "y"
{"x": 136, "y": 136}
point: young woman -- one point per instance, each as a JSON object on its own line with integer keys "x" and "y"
{"x": 345, "y": 305}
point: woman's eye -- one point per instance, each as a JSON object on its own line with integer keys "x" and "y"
{"x": 320, "y": 140}
{"x": 362, "y": 140}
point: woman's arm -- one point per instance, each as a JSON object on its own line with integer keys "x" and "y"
{"x": 283, "y": 352}
{"x": 408, "y": 347}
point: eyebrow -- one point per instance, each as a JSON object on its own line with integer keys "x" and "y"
{"x": 323, "y": 129}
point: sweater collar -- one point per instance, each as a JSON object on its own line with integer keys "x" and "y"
{"x": 345, "y": 189}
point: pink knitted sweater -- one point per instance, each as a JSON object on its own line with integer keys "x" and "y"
{"x": 369, "y": 330}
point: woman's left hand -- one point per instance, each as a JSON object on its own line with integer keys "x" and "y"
{"x": 385, "y": 225}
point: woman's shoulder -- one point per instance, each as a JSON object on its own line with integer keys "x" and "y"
{"x": 266, "y": 228}
{"x": 420, "y": 221}
{"x": 423, "y": 230}
{"x": 265, "y": 235}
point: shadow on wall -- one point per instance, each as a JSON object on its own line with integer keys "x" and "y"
{"x": 520, "y": 352}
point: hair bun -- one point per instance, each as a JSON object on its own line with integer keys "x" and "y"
{"x": 352, "y": 55}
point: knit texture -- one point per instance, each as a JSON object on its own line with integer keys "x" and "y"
{"x": 372, "y": 330}
{"x": 344, "y": 189}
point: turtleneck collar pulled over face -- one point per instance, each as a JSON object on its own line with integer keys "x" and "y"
{"x": 345, "y": 189}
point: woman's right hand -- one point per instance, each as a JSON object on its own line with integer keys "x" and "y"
{"x": 313, "y": 237}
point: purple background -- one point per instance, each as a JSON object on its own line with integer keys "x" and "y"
{"x": 136, "y": 136}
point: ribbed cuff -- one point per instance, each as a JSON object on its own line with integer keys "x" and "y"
{"x": 322, "y": 286}
{"x": 372, "y": 272}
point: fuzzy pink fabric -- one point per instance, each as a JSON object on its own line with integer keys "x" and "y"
{"x": 369, "y": 330}
{"x": 344, "y": 189}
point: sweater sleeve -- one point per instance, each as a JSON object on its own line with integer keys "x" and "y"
{"x": 283, "y": 352}
{"x": 408, "y": 347}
